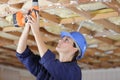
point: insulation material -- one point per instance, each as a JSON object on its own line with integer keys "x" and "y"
{"x": 55, "y": 29}
{"x": 3, "y": 22}
{"x": 91, "y": 6}
{"x": 16, "y": 1}
{"x": 106, "y": 47}
{"x": 115, "y": 20}
{"x": 62, "y": 12}
{"x": 42, "y": 4}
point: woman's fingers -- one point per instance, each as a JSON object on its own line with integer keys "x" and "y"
{"x": 37, "y": 15}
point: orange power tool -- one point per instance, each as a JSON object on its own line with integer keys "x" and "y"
{"x": 18, "y": 18}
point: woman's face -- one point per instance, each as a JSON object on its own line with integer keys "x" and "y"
{"x": 65, "y": 45}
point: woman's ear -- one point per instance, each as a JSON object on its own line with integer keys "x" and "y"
{"x": 75, "y": 49}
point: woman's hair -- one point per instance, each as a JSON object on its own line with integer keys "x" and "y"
{"x": 76, "y": 53}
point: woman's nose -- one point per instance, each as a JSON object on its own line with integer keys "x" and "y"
{"x": 60, "y": 41}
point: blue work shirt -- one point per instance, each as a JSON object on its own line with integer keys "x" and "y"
{"x": 48, "y": 67}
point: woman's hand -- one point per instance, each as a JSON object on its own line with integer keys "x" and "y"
{"x": 34, "y": 23}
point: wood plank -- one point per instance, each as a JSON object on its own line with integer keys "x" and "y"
{"x": 108, "y": 25}
{"x": 51, "y": 17}
{"x": 117, "y": 50}
{"x": 3, "y": 1}
{"x": 18, "y": 34}
{"x": 92, "y": 51}
{"x": 72, "y": 20}
{"x": 114, "y": 5}
{"x": 54, "y": 1}
{"x": 13, "y": 64}
{"x": 7, "y": 29}
{"x": 83, "y": 1}
{"x": 85, "y": 14}
{"x": 4, "y": 41}
{"x": 17, "y": 5}
{"x": 106, "y": 40}
{"x": 1, "y": 28}
{"x": 104, "y": 15}
{"x": 75, "y": 26}
{"x": 117, "y": 43}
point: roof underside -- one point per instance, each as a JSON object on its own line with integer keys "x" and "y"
{"x": 99, "y": 22}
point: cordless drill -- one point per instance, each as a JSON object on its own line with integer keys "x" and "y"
{"x": 18, "y": 18}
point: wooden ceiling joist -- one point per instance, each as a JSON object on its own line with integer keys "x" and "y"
{"x": 1, "y": 29}
{"x": 7, "y": 49}
{"x": 117, "y": 50}
{"x": 3, "y": 1}
{"x": 82, "y": 13}
{"x": 51, "y": 17}
{"x": 104, "y": 15}
{"x": 59, "y": 20}
{"x": 114, "y": 6}
{"x": 4, "y": 41}
{"x": 18, "y": 6}
{"x": 106, "y": 40}
{"x": 18, "y": 34}
{"x": 117, "y": 43}
{"x": 15, "y": 64}
{"x": 108, "y": 25}
{"x": 8, "y": 29}
{"x": 91, "y": 51}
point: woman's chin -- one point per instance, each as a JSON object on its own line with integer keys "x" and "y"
{"x": 57, "y": 48}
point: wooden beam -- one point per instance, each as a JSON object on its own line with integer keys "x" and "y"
{"x": 1, "y": 28}
{"x": 82, "y": 29}
{"x": 3, "y": 1}
{"x": 114, "y": 5}
{"x": 106, "y": 40}
{"x": 17, "y": 5}
{"x": 105, "y": 64}
{"x": 117, "y": 43}
{"x": 108, "y": 25}
{"x": 89, "y": 32}
{"x": 47, "y": 36}
{"x": 7, "y": 29}
{"x": 85, "y": 14}
{"x": 4, "y": 41}
{"x": 18, "y": 34}
{"x": 35, "y": 48}
{"x": 13, "y": 64}
{"x": 117, "y": 50}
{"x": 83, "y": 1}
{"x": 59, "y": 20}
{"x": 54, "y": 1}
{"x": 72, "y": 20}
{"x": 51, "y": 17}
{"x": 8, "y": 51}
{"x": 104, "y": 59}
{"x": 91, "y": 51}
{"x": 104, "y": 15}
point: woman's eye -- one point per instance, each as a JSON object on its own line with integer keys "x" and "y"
{"x": 66, "y": 40}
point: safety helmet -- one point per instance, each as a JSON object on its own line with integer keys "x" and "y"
{"x": 79, "y": 40}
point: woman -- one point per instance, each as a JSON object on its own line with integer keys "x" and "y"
{"x": 71, "y": 47}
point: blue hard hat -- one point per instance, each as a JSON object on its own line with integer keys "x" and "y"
{"x": 79, "y": 40}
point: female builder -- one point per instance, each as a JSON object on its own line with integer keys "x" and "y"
{"x": 71, "y": 47}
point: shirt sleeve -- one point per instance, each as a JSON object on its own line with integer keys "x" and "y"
{"x": 48, "y": 56}
{"x": 30, "y": 61}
